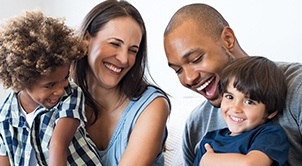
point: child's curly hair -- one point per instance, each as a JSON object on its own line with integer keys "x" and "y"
{"x": 32, "y": 46}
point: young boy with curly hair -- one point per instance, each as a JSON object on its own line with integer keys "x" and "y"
{"x": 44, "y": 111}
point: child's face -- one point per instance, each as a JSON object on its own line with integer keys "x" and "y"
{"x": 240, "y": 112}
{"x": 46, "y": 91}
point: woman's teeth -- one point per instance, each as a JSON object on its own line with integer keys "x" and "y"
{"x": 113, "y": 68}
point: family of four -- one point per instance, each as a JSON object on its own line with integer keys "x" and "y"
{"x": 83, "y": 98}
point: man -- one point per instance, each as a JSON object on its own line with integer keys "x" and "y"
{"x": 198, "y": 43}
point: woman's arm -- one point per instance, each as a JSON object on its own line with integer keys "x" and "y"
{"x": 60, "y": 140}
{"x": 4, "y": 161}
{"x": 254, "y": 157}
{"x": 145, "y": 142}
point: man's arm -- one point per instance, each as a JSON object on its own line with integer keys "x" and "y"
{"x": 188, "y": 147}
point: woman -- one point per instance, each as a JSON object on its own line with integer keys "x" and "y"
{"x": 126, "y": 115}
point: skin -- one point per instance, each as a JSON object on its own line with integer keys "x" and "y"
{"x": 197, "y": 59}
{"x": 241, "y": 114}
{"x": 47, "y": 91}
{"x": 4, "y": 161}
{"x": 111, "y": 54}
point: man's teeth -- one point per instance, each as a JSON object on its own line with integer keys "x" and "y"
{"x": 113, "y": 68}
{"x": 205, "y": 84}
{"x": 236, "y": 119}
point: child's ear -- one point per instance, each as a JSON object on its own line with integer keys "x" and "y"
{"x": 270, "y": 116}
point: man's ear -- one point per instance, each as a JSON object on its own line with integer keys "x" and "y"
{"x": 270, "y": 116}
{"x": 228, "y": 38}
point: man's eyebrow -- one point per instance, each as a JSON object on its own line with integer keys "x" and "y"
{"x": 185, "y": 56}
{"x": 189, "y": 53}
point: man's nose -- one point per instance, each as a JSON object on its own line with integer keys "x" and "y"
{"x": 190, "y": 77}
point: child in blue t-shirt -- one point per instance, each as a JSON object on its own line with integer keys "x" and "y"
{"x": 44, "y": 113}
{"x": 254, "y": 92}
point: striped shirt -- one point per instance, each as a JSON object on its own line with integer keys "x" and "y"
{"x": 15, "y": 131}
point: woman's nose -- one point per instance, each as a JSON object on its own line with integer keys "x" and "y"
{"x": 122, "y": 56}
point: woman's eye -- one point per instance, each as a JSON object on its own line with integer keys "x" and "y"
{"x": 115, "y": 44}
{"x": 133, "y": 51}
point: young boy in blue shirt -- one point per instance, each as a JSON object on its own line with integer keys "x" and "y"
{"x": 254, "y": 92}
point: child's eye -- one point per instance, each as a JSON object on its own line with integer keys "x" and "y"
{"x": 250, "y": 102}
{"x": 228, "y": 96}
{"x": 49, "y": 85}
{"x": 67, "y": 78}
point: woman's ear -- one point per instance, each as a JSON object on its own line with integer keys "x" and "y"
{"x": 228, "y": 38}
{"x": 87, "y": 36}
{"x": 86, "y": 39}
{"x": 270, "y": 116}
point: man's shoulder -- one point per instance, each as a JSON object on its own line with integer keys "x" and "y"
{"x": 206, "y": 116}
{"x": 291, "y": 69}
{"x": 205, "y": 108}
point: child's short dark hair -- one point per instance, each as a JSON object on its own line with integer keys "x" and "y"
{"x": 259, "y": 78}
{"x": 32, "y": 46}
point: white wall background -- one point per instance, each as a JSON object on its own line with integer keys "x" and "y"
{"x": 271, "y": 28}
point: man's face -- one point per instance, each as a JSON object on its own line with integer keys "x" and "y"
{"x": 197, "y": 60}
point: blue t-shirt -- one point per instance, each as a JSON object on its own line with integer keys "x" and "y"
{"x": 268, "y": 138}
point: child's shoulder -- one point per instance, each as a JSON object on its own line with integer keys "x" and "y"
{"x": 9, "y": 104}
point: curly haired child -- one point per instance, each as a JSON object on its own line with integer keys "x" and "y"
{"x": 42, "y": 119}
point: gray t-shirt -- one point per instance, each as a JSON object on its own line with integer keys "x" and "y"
{"x": 206, "y": 118}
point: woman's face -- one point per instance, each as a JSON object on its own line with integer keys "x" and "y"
{"x": 112, "y": 52}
